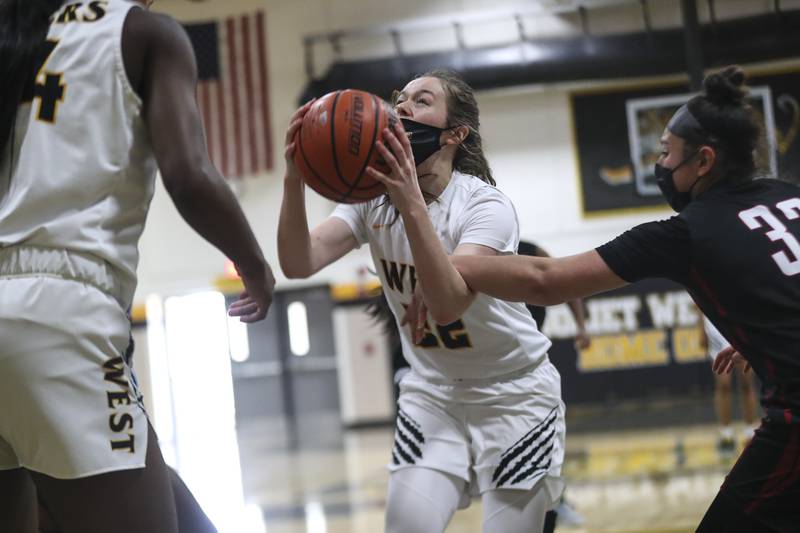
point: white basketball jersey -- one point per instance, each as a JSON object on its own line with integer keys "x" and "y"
{"x": 83, "y": 169}
{"x": 493, "y": 337}
{"x": 716, "y": 342}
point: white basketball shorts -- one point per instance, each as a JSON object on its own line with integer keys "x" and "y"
{"x": 503, "y": 433}
{"x": 70, "y": 407}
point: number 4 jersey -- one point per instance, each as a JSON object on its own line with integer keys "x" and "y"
{"x": 493, "y": 337}
{"x": 80, "y": 172}
{"x": 736, "y": 249}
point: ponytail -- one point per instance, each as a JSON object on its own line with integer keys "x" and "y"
{"x": 23, "y": 30}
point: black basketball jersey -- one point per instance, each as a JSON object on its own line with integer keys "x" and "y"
{"x": 737, "y": 251}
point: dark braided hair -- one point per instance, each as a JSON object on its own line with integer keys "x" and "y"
{"x": 23, "y": 30}
{"x": 729, "y": 122}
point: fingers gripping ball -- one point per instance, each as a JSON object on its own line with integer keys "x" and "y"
{"x": 336, "y": 144}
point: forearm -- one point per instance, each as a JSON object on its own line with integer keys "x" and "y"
{"x": 294, "y": 240}
{"x": 446, "y": 294}
{"x": 576, "y": 306}
{"x": 511, "y": 278}
{"x": 538, "y": 280}
{"x": 207, "y": 204}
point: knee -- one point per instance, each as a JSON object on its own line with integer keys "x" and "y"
{"x": 408, "y": 521}
{"x": 513, "y": 511}
{"x": 400, "y": 519}
{"x": 723, "y": 385}
{"x": 409, "y": 511}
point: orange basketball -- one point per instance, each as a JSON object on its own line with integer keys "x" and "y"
{"x": 336, "y": 144}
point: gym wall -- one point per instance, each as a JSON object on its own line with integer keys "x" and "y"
{"x": 528, "y": 136}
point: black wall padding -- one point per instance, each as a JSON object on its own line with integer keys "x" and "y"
{"x": 761, "y": 38}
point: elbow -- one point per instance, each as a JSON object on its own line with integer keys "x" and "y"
{"x": 292, "y": 274}
{"x": 185, "y": 177}
{"x": 293, "y": 271}
{"x": 448, "y": 307}
{"x": 292, "y": 265}
{"x": 443, "y": 318}
{"x": 445, "y": 315}
{"x": 541, "y": 290}
{"x": 294, "y": 259}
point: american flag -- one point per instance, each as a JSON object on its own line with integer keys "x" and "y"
{"x": 233, "y": 92}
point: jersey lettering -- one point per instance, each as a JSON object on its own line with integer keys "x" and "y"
{"x": 78, "y": 12}
{"x": 70, "y": 14}
{"x": 790, "y": 208}
{"x": 98, "y": 10}
{"x": 395, "y": 275}
{"x": 49, "y": 88}
{"x": 452, "y": 336}
{"x": 119, "y": 421}
{"x": 429, "y": 340}
{"x": 755, "y": 218}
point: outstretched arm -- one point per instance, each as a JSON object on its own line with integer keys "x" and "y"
{"x": 538, "y": 280}
{"x": 582, "y": 339}
{"x": 659, "y": 249}
{"x": 160, "y": 61}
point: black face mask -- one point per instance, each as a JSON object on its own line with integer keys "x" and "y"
{"x": 676, "y": 199}
{"x": 424, "y": 139}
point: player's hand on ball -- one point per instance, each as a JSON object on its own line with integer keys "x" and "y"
{"x": 254, "y": 302}
{"x": 727, "y": 359}
{"x": 291, "y": 140}
{"x": 401, "y": 182}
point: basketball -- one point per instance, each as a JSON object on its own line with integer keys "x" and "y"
{"x": 336, "y": 144}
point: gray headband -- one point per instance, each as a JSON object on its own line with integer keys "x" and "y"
{"x": 684, "y": 125}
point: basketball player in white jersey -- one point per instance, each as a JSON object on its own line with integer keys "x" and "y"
{"x": 93, "y": 97}
{"x": 481, "y": 411}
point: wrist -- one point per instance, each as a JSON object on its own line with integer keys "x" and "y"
{"x": 252, "y": 267}
{"x": 292, "y": 180}
{"x": 413, "y": 208}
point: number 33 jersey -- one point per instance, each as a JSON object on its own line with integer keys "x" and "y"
{"x": 80, "y": 173}
{"x": 492, "y": 337}
{"x": 737, "y": 250}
